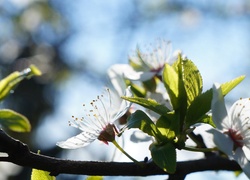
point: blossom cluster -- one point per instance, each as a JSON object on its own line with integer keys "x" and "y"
{"x": 160, "y": 93}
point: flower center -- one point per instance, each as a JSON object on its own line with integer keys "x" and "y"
{"x": 236, "y": 137}
{"x": 157, "y": 70}
{"x": 108, "y": 134}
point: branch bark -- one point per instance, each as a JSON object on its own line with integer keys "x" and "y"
{"x": 19, "y": 153}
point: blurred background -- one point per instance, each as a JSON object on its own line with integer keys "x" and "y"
{"x": 75, "y": 42}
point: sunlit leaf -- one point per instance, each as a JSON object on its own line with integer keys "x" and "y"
{"x": 180, "y": 92}
{"x": 14, "y": 121}
{"x": 238, "y": 173}
{"x": 192, "y": 80}
{"x": 171, "y": 82}
{"x": 34, "y": 71}
{"x": 228, "y": 86}
{"x": 149, "y": 104}
{"x": 11, "y": 81}
{"x": 94, "y": 178}
{"x": 165, "y": 124}
{"x": 41, "y": 175}
{"x": 164, "y": 156}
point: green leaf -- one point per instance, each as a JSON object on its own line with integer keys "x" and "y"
{"x": 202, "y": 104}
{"x": 199, "y": 107}
{"x": 164, "y": 156}
{"x": 171, "y": 82}
{"x": 41, "y": 175}
{"x": 165, "y": 125}
{"x": 14, "y": 121}
{"x": 140, "y": 120}
{"x": 137, "y": 90}
{"x": 181, "y": 95}
{"x": 11, "y": 81}
{"x": 174, "y": 84}
{"x": 228, "y": 86}
{"x": 192, "y": 80}
{"x": 149, "y": 104}
{"x": 94, "y": 178}
{"x": 34, "y": 71}
{"x": 207, "y": 119}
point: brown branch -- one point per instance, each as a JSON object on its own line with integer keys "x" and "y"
{"x": 20, "y": 154}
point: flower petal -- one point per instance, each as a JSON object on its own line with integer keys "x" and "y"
{"x": 124, "y": 106}
{"x": 80, "y": 140}
{"x": 240, "y": 157}
{"x": 222, "y": 141}
{"x": 240, "y": 115}
{"x": 147, "y": 75}
{"x": 219, "y": 112}
{"x": 139, "y": 75}
{"x": 116, "y": 76}
{"x": 126, "y": 71}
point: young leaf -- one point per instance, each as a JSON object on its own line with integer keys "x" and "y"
{"x": 228, "y": 86}
{"x": 140, "y": 120}
{"x": 10, "y": 82}
{"x": 94, "y": 178}
{"x": 149, "y": 104}
{"x": 137, "y": 90}
{"x": 206, "y": 119}
{"x": 171, "y": 82}
{"x": 202, "y": 104}
{"x": 164, "y": 156}
{"x": 181, "y": 98}
{"x": 34, "y": 71}
{"x": 165, "y": 125}
{"x": 192, "y": 80}
{"x": 41, "y": 175}
{"x": 199, "y": 107}
{"x": 14, "y": 121}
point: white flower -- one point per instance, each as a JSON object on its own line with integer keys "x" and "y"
{"x": 149, "y": 63}
{"x": 98, "y": 122}
{"x": 116, "y": 77}
{"x": 232, "y": 135}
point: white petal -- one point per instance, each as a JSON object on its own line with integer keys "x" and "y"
{"x": 246, "y": 151}
{"x": 240, "y": 115}
{"x": 124, "y": 106}
{"x": 129, "y": 73}
{"x": 240, "y": 157}
{"x": 116, "y": 76}
{"x": 139, "y": 75}
{"x": 81, "y": 140}
{"x": 219, "y": 112}
{"x": 147, "y": 75}
{"x": 222, "y": 141}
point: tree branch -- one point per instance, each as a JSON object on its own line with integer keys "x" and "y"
{"x": 19, "y": 153}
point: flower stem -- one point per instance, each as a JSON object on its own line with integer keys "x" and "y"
{"x": 200, "y": 149}
{"x": 125, "y": 153}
